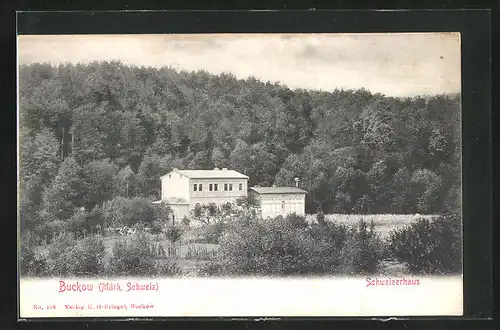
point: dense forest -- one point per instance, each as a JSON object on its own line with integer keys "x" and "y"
{"x": 91, "y": 132}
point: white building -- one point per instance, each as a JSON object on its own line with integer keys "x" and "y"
{"x": 183, "y": 189}
{"x": 275, "y": 201}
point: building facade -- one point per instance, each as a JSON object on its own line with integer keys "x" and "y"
{"x": 182, "y": 190}
{"x": 275, "y": 201}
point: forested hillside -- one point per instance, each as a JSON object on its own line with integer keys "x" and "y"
{"x": 89, "y": 133}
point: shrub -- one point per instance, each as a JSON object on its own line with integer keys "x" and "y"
{"x": 363, "y": 250}
{"x": 84, "y": 223}
{"x": 173, "y": 233}
{"x": 266, "y": 247}
{"x": 112, "y": 211}
{"x": 83, "y": 257}
{"x": 320, "y": 217}
{"x": 138, "y": 210}
{"x": 122, "y": 211}
{"x": 287, "y": 247}
{"x": 87, "y": 256}
{"x": 329, "y": 239}
{"x": 157, "y": 227}
{"x": 167, "y": 267}
{"x": 185, "y": 221}
{"x": 210, "y": 268}
{"x": 62, "y": 243}
{"x": 212, "y": 232}
{"x": 296, "y": 221}
{"x": 30, "y": 264}
{"x": 429, "y": 246}
{"x": 162, "y": 212}
{"x": 132, "y": 257}
{"x": 30, "y": 238}
{"x": 47, "y": 231}
{"x": 76, "y": 225}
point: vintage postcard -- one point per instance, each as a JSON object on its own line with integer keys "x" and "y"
{"x": 240, "y": 175}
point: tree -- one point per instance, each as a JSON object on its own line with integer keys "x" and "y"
{"x": 145, "y": 121}
{"x": 99, "y": 182}
{"x": 425, "y": 186}
{"x": 402, "y": 201}
{"x": 127, "y": 184}
{"x": 66, "y": 193}
{"x": 38, "y": 163}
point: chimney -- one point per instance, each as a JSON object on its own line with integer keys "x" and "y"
{"x": 297, "y": 182}
{"x": 216, "y": 168}
{"x": 224, "y": 169}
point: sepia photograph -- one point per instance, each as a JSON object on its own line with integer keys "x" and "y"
{"x": 251, "y": 161}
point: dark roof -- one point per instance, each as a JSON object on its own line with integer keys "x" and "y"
{"x": 278, "y": 190}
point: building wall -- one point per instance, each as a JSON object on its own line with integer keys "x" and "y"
{"x": 220, "y": 196}
{"x": 273, "y": 205}
{"x": 174, "y": 185}
{"x": 180, "y": 211}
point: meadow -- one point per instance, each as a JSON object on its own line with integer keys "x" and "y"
{"x": 384, "y": 223}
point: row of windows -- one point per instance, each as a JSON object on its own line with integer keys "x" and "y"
{"x": 215, "y": 187}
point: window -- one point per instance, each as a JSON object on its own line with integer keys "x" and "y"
{"x": 225, "y": 186}
{"x": 210, "y": 187}
{"x": 216, "y": 186}
{"x": 200, "y": 187}
{"x": 230, "y": 187}
{"x": 282, "y": 204}
{"x": 195, "y": 187}
{"x": 240, "y": 186}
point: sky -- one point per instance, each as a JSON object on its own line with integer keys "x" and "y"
{"x": 391, "y": 64}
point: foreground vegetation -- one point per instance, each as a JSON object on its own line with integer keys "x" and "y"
{"x": 234, "y": 242}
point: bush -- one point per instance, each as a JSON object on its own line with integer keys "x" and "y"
{"x": 320, "y": 217}
{"x": 296, "y": 221}
{"x": 136, "y": 257}
{"x": 186, "y": 222}
{"x": 167, "y": 267}
{"x": 286, "y": 247}
{"x": 212, "y": 232}
{"x": 30, "y": 264}
{"x": 132, "y": 257}
{"x": 157, "y": 227}
{"x": 122, "y": 211}
{"x": 429, "y": 246}
{"x": 88, "y": 255}
{"x": 162, "y": 213}
{"x": 210, "y": 268}
{"x": 265, "y": 247}
{"x": 329, "y": 239}
{"x": 61, "y": 244}
{"x": 363, "y": 250}
{"x": 138, "y": 210}
{"x": 173, "y": 233}
{"x": 47, "y": 231}
{"x": 69, "y": 257}
{"x": 82, "y": 224}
